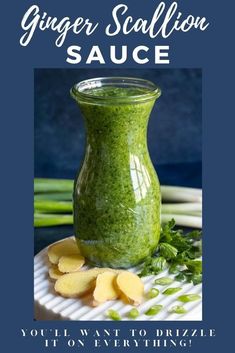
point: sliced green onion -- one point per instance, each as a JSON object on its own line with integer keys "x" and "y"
{"x": 189, "y": 298}
{"x": 163, "y": 281}
{"x": 178, "y": 309}
{"x": 170, "y": 291}
{"x": 133, "y": 313}
{"x": 153, "y": 293}
{"x": 154, "y": 310}
{"x": 114, "y": 315}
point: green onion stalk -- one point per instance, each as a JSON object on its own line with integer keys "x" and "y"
{"x": 53, "y": 204}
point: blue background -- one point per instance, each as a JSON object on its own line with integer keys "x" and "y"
{"x": 210, "y": 50}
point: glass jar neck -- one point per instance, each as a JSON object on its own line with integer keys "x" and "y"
{"x": 117, "y": 125}
{"x": 115, "y": 90}
{"x": 116, "y": 110}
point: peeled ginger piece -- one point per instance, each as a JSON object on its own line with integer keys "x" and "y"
{"x": 131, "y": 287}
{"x": 105, "y": 288}
{"x": 70, "y": 263}
{"x": 62, "y": 248}
{"x": 76, "y": 284}
{"x": 54, "y": 272}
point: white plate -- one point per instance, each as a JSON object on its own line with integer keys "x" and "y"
{"x": 48, "y": 305}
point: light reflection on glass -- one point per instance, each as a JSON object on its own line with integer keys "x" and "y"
{"x": 140, "y": 178}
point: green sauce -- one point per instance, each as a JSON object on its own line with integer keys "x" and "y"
{"x": 117, "y": 193}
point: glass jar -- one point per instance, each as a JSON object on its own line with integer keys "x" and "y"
{"x": 116, "y": 198}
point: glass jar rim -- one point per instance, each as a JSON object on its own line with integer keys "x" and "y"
{"x": 82, "y": 91}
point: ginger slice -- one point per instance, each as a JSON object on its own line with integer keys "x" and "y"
{"x": 70, "y": 263}
{"x": 76, "y": 284}
{"x": 105, "y": 288}
{"x": 131, "y": 287}
{"x": 54, "y": 272}
{"x": 62, "y": 248}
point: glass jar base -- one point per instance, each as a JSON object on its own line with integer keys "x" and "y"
{"x": 108, "y": 258}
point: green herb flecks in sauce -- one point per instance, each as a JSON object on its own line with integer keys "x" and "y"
{"x": 117, "y": 193}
